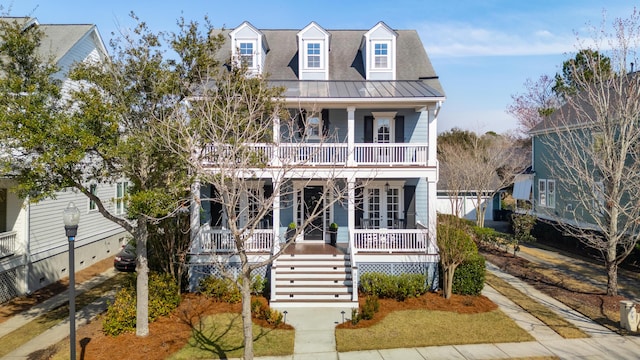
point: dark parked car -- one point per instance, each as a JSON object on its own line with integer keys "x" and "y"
{"x": 125, "y": 260}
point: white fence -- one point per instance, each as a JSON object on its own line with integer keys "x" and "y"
{"x": 393, "y": 240}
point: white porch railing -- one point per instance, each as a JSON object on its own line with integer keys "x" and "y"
{"x": 391, "y": 153}
{"x": 409, "y": 154}
{"x": 392, "y": 240}
{"x": 221, "y": 241}
{"x": 8, "y": 243}
{"x": 314, "y": 154}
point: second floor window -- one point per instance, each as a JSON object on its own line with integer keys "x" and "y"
{"x": 122, "y": 188}
{"x": 313, "y": 55}
{"x": 93, "y": 189}
{"x": 314, "y": 126}
{"x": 381, "y": 56}
{"x": 246, "y": 54}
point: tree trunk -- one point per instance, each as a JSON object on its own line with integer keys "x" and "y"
{"x": 447, "y": 280}
{"x": 247, "y": 322}
{"x": 612, "y": 269}
{"x": 142, "y": 280}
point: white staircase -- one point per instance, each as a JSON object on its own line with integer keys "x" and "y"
{"x": 308, "y": 280}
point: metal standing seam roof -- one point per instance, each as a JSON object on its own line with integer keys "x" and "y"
{"x": 405, "y": 89}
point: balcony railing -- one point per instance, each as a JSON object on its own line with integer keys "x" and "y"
{"x": 407, "y": 154}
{"x": 221, "y": 241}
{"x": 7, "y": 243}
{"x": 393, "y": 241}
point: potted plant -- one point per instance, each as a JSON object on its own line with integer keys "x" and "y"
{"x": 333, "y": 233}
{"x": 291, "y": 231}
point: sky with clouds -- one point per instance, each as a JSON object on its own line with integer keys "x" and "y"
{"x": 483, "y": 51}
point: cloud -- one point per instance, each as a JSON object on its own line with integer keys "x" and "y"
{"x": 461, "y": 39}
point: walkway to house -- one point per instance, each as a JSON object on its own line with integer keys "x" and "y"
{"x": 315, "y": 332}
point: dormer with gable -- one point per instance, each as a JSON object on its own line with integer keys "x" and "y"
{"x": 248, "y": 47}
{"x": 313, "y": 52}
{"x": 379, "y": 52}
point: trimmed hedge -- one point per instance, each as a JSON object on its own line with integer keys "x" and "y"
{"x": 469, "y": 276}
{"x": 397, "y": 287}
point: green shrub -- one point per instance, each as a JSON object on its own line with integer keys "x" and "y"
{"x": 355, "y": 317}
{"x": 398, "y": 287}
{"x": 164, "y": 297}
{"x": 121, "y": 315}
{"x": 258, "y": 285}
{"x": 221, "y": 289}
{"x": 260, "y": 310}
{"x": 469, "y": 276}
{"x": 370, "y": 308}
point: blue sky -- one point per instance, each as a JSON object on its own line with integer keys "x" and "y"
{"x": 483, "y": 51}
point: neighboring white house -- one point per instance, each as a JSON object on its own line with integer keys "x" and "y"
{"x": 33, "y": 246}
{"x": 378, "y": 92}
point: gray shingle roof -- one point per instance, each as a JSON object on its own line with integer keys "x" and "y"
{"x": 345, "y": 59}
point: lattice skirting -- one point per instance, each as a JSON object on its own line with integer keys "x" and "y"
{"x": 8, "y": 285}
{"x": 429, "y": 269}
{"x": 197, "y": 272}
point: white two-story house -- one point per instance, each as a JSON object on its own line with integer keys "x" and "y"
{"x": 33, "y": 246}
{"x": 376, "y": 91}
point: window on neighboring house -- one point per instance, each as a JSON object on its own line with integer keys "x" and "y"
{"x": 547, "y": 193}
{"x": 381, "y": 55}
{"x": 246, "y": 54}
{"x": 313, "y": 128}
{"x": 93, "y": 189}
{"x": 122, "y": 188}
{"x": 313, "y": 55}
{"x": 599, "y": 198}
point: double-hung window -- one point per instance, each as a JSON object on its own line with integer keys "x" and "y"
{"x": 122, "y": 188}
{"x": 547, "y": 193}
{"x": 93, "y": 189}
{"x": 381, "y": 55}
{"x": 313, "y": 55}
{"x": 246, "y": 53}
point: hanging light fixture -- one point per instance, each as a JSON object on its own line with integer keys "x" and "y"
{"x": 386, "y": 187}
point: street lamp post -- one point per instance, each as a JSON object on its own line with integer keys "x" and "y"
{"x": 71, "y": 218}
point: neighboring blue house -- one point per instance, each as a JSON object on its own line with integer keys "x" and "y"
{"x": 378, "y": 92}
{"x": 33, "y": 246}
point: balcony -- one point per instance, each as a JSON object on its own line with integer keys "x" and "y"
{"x": 326, "y": 154}
{"x": 7, "y": 243}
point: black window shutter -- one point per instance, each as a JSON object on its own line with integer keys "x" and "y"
{"x": 399, "y": 129}
{"x": 325, "y": 122}
{"x": 368, "y": 129}
{"x": 410, "y": 206}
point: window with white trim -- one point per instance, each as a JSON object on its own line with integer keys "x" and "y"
{"x": 314, "y": 59}
{"x": 122, "y": 188}
{"x": 381, "y": 55}
{"x": 247, "y": 53}
{"x": 93, "y": 189}
{"x": 547, "y": 193}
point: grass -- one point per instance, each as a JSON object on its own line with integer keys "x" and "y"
{"x": 44, "y": 322}
{"x": 544, "y": 314}
{"x": 220, "y": 337}
{"x": 418, "y": 328}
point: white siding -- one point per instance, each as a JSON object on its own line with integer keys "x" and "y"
{"x": 46, "y": 228}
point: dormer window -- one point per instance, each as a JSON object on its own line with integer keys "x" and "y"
{"x": 247, "y": 54}
{"x": 314, "y": 60}
{"x": 313, "y": 53}
{"x": 248, "y": 47}
{"x": 381, "y": 55}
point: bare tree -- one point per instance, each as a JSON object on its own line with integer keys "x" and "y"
{"x": 594, "y": 149}
{"x": 536, "y": 102}
{"x": 482, "y": 165}
{"x": 229, "y": 136}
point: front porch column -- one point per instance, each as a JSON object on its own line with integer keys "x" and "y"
{"x": 351, "y": 126}
{"x": 432, "y": 151}
{"x": 195, "y": 215}
{"x": 275, "y": 160}
{"x": 432, "y": 213}
{"x": 276, "y": 215}
{"x": 351, "y": 218}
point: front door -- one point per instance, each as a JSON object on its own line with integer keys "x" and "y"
{"x": 312, "y": 203}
